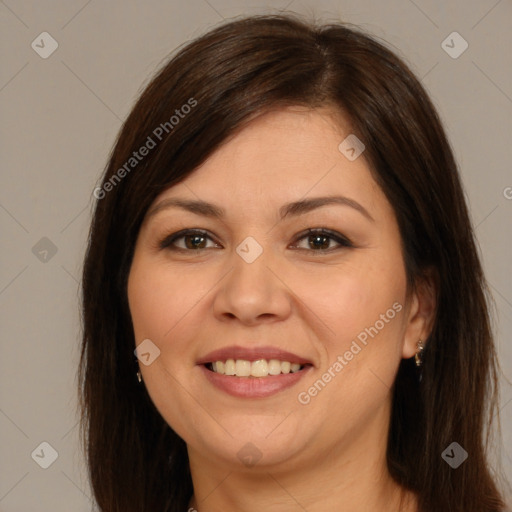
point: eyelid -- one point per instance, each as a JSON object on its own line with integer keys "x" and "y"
{"x": 341, "y": 240}
{"x": 166, "y": 242}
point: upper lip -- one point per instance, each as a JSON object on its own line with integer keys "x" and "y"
{"x": 252, "y": 354}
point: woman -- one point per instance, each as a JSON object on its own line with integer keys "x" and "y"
{"x": 281, "y": 239}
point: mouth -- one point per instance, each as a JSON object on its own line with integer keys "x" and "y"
{"x": 260, "y": 368}
{"x": 257, "y": 372}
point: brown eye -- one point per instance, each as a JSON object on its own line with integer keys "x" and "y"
{"x": 194, "y": 240}
{"x": 319, "y": 240}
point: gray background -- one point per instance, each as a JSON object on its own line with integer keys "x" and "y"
{"x": 60, "y": 116}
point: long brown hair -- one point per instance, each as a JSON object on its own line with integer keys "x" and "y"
{"x": 226, "y": 77}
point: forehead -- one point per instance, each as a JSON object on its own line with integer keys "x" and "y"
{"x": 281, "y": 156}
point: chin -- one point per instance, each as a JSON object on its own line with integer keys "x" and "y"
{"x": 254, "y": 445}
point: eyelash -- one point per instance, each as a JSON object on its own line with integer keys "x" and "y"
{"x": 168, "y": 241}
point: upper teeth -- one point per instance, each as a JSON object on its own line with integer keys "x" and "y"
{"x": 259, "y": 368}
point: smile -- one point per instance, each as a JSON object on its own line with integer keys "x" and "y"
{"x": 253, "y": 372}
{"x": 259, "y": 368}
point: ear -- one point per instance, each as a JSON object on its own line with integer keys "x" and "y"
{"x": 421, "y": 312}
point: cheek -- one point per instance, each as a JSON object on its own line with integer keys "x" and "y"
{"x": 350, "y": 297}
{"x": 158, "y": 312}
{"x": 159, "y": 299}
{"x": 147, "y": 303}
{"x": 364, "y": 309}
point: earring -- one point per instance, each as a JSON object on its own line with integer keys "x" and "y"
{"x": 139, "y": 376}
{"x": 419, "y": 353}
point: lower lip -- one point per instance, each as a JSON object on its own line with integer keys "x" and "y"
{"x": 254, "y": 387}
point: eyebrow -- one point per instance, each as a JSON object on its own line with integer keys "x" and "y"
{"x": 290, "y": 209}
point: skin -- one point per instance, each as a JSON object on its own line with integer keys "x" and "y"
{"x": 330, "y": 453}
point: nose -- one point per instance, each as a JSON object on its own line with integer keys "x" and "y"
{"x": 253, "y": 292}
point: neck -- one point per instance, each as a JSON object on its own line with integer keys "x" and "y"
{"x": 351, "y": 476}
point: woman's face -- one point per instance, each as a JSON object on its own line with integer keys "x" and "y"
{"x": 256, "y": 292}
